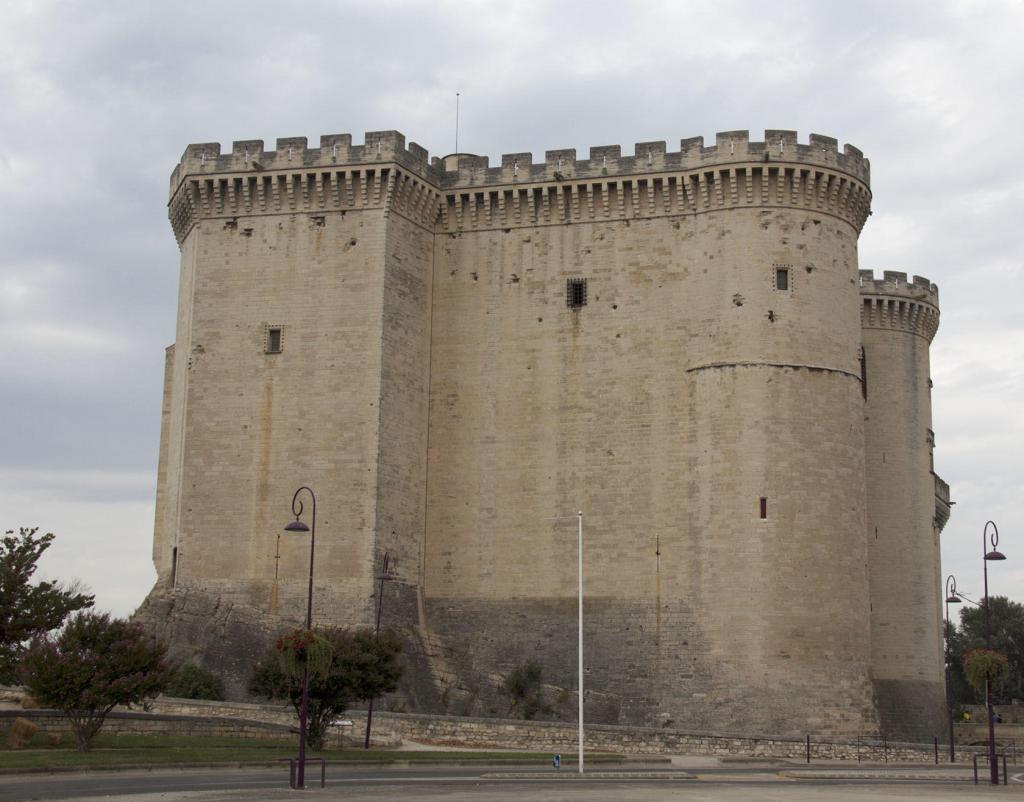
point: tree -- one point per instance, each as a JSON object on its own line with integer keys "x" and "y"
{"x": 190, "y": 681}
{"x": 28, "y": 610}
{"x": 1007, "y": 619}
{"x": 93, "y": 664}
{"x": 363, "y": 666}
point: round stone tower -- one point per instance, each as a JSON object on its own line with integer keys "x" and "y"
{"x": 907, "y": 502}
{"x": 777, "y": 471}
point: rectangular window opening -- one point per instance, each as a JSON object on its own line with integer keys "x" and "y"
{"x": 575, "y": 292}
{"x": 782, "y": 278}
{"x": 764, "y": 508}
{"x": 273, "y": 340}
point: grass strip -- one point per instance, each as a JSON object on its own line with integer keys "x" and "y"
{"x": 167, "y": 750}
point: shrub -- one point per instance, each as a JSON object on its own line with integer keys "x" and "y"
{"x": 190, "y": 681}
{"x": 523, "y": 687}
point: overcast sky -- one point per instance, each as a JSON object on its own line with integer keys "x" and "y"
{"x": 99, "y": 99}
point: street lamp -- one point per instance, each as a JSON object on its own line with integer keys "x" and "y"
{"x": 383, "y": 577}
{"x": 298, "y": 526}
{"x": 951, "y": 598}
{"x": 994, "y": 554}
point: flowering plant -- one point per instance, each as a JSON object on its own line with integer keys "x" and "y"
{"x": 982, "y": 664}
{"x": 303, "y": 649}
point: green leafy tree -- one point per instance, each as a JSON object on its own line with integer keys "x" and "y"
{"x": 92, "y": 665}
{"x": 1007, "y": 619}
{"x": 363, "y": 666}
{"x": 27, "y": 610}
{"x": 190, "y": 681}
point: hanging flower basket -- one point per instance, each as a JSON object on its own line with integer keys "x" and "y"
{"x": 982, "y": 664}
{"x": 304, "y": 648}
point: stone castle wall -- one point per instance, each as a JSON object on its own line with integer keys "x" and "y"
{"x": 449, "y": 406}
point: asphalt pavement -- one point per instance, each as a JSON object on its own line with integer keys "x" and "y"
{"x": 686, "y": 778}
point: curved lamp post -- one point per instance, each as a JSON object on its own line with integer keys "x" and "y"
{"x": 951, "y": 598}
{"x": 994, "y": 554}
{"x": 298, "y": 526}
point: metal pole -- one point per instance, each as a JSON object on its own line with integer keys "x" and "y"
{"x": 579, "y": 625}
{"x": 993, "y": 766}
{"x": 950, "y": 596}
{"x": 376, "y": 631}
{"x": 304, "y": 707}
{"x": 277, "y": 566}
{"x": 303, "y": 718}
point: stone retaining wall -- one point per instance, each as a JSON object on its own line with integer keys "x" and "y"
{"x": 141, "y": 723}
{"x": 391, "y": 729}
{"x": 562, "y": 737}
{"x": 198, "y": 717}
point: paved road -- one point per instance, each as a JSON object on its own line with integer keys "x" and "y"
{"x": 689, "y": 779}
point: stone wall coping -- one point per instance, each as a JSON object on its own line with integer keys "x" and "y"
{"x": 255, "y": 706}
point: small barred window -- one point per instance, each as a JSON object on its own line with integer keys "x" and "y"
{"x": 575, "y": 292}
{"x": 274, "y": 340}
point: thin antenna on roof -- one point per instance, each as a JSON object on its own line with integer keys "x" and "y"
{"x": 456, "y": 122}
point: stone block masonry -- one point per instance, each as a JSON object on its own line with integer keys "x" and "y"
{"x": 457, "y": 357}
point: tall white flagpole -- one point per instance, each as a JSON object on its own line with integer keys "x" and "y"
{"x": 579, "y": 646}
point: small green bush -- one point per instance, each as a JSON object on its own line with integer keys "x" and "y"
{"x": 194, "y": 682}
{"x": 524, "y": 687}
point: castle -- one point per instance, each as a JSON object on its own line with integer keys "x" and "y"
{"x": 458, "y": 357}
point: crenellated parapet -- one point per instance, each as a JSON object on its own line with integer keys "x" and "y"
{"x": 293, "y": 154}
{"x": 462, "y": 192}
{"x": 896, "y": 302}
{"x": 337, "y": 176}
{"x": 607, "y": 161}
{"x": 734, "y": 173}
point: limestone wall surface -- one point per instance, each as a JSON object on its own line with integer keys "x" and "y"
{"x": 686, "y": 390}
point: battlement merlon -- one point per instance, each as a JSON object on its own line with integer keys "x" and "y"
{"x": 464, "y": 170}
{"x": 731, "y": 147}
{"x": 293, "y": 153}
{"x": 895, "y": 284}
